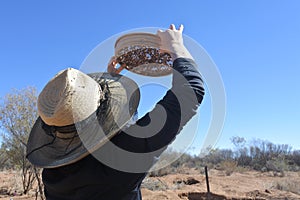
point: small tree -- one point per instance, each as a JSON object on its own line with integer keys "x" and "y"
{"x": 17, "y": 115}
{"x": 4, "y": 160}
{"x": 241, "y": 151}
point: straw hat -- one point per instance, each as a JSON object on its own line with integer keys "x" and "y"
{"x": 78, "y": 113}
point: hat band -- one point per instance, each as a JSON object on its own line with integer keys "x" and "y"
{"x": 68, "y": 131}
{"x": 62, "y": 132}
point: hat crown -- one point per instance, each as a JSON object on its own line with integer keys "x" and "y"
{"x": 69, "y": 97}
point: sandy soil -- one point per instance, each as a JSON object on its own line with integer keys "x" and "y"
{"x": 191, "y": 185}
{"x": 246, "y": 185}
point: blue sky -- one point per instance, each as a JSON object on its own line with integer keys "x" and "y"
{"x": 254, "y": 44}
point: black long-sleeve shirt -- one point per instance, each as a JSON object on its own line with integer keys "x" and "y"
{"x": 92, "y": 179}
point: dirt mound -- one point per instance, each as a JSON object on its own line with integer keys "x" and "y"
{"x": 201, "y": 196}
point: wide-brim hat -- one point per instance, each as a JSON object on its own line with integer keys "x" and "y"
{"x": 79, "y": 113}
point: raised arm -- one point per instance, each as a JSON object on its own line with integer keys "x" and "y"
{"x": 159, "y": 127}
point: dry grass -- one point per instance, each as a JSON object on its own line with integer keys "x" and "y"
{"x": 228, "y": 166}
{"x": 11, "y": 183}
{"x": 288, "y": 186}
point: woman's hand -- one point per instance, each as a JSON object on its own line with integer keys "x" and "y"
{"x": 112, "y": 66}
{"x": 172, "y": 42}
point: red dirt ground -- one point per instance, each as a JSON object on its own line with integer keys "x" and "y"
{"x": 192, "y": 186}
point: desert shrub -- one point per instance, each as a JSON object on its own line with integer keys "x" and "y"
{"x": 295, "y": 157}
{"x": 154, "y": 184}
{"x": 180, "y": 161}
{"x": 259, "y": 155}
{"x": 289, "y": 186}
{"x": 162, "y": 172}
{"x": 229, "y": 166}
{"x": 183, "y": 160}
{"x": 242, "y": 169}
{"x": 216, "y": 156}
{"x": 198, "y": 163}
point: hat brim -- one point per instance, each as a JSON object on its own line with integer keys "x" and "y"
{"x": 48, "y": 150}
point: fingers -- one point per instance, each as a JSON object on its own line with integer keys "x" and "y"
{"x": 180, "y": 28}
{"x": 170, "y": 36}
{"x": 117, "y": 71}
{"x": 172, "y": 27}
{"x": 111, "y": 67}
{"x": 112, "y": 61}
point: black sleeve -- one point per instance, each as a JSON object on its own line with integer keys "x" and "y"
{"x": 159, "y": 127}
